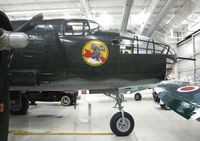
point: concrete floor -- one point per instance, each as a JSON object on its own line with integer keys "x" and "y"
{"x": 151, "y": 122}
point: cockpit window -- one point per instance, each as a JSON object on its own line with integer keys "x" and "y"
{"x": 76, "y": 28}
{"x": 94, "y": 27}
{"x": 81, "y": 28}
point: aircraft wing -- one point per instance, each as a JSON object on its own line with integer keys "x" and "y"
{"x": 133, "y": 89}
{"x": 184, "y": 100}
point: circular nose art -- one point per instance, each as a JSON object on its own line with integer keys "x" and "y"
{"x": 95, "y": 53}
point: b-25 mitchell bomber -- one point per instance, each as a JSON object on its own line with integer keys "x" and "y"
{"x": 64, "y": 56}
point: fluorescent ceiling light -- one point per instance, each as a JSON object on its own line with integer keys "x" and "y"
{"x": 184, "y": 22}
{"x": 67, "y": 16}
{"x": 11, "y": 13}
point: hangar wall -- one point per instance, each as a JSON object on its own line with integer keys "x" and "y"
{"x": 189, "y": 70}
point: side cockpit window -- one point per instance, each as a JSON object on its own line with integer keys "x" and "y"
{"x": 94, "y": 27}
{"x": 77, "y": 28}
{"x": 68, "y": 30}
{"x": 74, "y": 28}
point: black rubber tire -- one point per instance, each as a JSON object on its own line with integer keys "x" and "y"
{"x": 115, "y": 119}
{"x": 138, "y": 97}
{"x": 155, "y": 97}
{"x": 23, "y": 108}
{"x": 66, "y": 100}
{"x": 164, "y": 106}
{"x": 32, "y": 102}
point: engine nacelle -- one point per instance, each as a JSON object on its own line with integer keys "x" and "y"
{"x": 11, "y": 40}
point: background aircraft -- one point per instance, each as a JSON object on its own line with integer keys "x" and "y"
{"x": 184, "y": 100}
{"x": 136, "y": 90}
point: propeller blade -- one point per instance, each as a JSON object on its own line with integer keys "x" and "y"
{"x": 31, "y": 23}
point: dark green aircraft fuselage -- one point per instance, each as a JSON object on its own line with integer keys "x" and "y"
{"x": 57, "y": 49}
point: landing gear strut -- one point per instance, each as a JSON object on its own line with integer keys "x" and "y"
{"x": 163, "y": 105}
{"x": 121, "y": 123}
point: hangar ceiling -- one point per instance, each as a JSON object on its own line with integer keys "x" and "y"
{"x": 181, "y": 20}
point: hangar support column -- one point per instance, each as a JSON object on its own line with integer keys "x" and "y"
{"x": 159, "y": 18}
{"x": 126, "y": 14}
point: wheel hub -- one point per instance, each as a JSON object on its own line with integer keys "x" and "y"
{"x": 137, "y": 96}
{"x": 123, "y": 127}
{"x": 15, "y": 105}
{"x": 66, "y": 100}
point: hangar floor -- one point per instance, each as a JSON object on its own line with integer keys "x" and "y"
{"x": 152, "y": 123}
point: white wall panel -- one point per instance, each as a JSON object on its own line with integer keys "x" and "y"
{"x": 197, "y": 60}
{"x": 189, "y": 70}
{"x": 197, "y": 42}
{"x": 185, "y": 50}
{"x": 185, "y": 64}
{"x": 197, "y": 77}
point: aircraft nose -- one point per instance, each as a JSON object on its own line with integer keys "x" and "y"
{"x": 137, "y": 44}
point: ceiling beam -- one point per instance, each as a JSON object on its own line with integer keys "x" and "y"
{"x": 148, "y": 12}
{"x": 159, "y": 18}
{"x": 183, "y": 13}
{"x": 126, "y": 14}
{"x": 196, "y": 1}
{"x": 86, "y": 7}
{"x": 177, "y": 19}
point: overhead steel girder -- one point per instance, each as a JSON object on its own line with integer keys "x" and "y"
{"x": 87, "y": 8}
{"x": 183, "y": 14}
{"x": 150, "y": 9}
{"x": 126, "y": 14}
{"x": 159, "y": 18}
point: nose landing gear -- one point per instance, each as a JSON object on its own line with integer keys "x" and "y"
{"x": 121, "y": 123}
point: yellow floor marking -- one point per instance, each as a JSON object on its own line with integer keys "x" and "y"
{"x": 22, "y": 132}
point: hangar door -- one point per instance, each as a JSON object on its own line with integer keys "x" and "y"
{"x": 189, "y": 70}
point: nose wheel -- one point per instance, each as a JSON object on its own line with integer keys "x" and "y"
{"x": 121, "y": 123}
{"x": 122, "y": 126}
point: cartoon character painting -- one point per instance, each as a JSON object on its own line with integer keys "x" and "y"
{"x": 95, "y": 53}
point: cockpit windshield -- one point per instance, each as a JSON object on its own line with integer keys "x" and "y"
{"x": 81, "y": 27}
{"x": 94, "y": 27}
{"x": 136, "y": 44}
